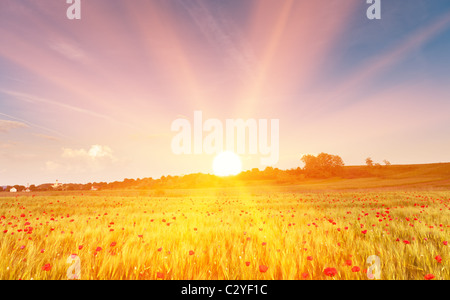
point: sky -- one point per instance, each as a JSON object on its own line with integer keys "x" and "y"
{"x": 93, "y": 100}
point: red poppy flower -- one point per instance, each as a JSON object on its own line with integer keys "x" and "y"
{"x": 113, "y": 244}
{"x": 438, "y": 258}
{"x": 47, "y": 267}
{"x": 247, "y": 263}
{"x": 98, "y": 249}
{"x": 160, "y": 275}
{"x": 310, "y": 258}
{"x": 445, "y": 243}
{"x": 80, "y": 247}
{"x": 356, "y": 269}
{"x": 191, "y": 252}
{"x": 429, "y": 276}
{"x": 364, "y": 231}
{"x": 263, "y": 269}
{"x": 330, "y": 272}
{"x": 305, "y": 275}
{"x": 348, "y": 262}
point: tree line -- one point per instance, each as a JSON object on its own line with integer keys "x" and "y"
{"x": 319, "y": 166}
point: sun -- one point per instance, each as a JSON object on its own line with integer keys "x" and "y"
{"x": 227, "y": 164}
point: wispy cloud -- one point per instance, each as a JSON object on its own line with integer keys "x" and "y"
{"x": 35, "y": 99}
{"x": 95, "y": 152}
{"x": 47, "y": 137}
{"x": 221, "y": 32}
{"x": 7, "y": 125}
{"x": 69, "y": 50}
{"x": 32, "y": 125}
{"x": 95, "y": 158}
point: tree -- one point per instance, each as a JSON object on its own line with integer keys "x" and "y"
{"x": 369, "y": 162}
{"x": 387, "y": 163}
{"x": 310, "y": 162}
{"x": 19, "y": 188}
{"x": 322, "y": 165}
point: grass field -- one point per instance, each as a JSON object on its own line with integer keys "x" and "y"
{"x": 239, "y": 233}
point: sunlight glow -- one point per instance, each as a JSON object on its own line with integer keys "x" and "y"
{"x": 227, "y": 164}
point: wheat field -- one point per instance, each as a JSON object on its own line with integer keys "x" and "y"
{"x": 262, "y": 234}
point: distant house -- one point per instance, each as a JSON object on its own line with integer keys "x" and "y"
{"x": 13, "y": 190}
{"x": 93, "y": 188}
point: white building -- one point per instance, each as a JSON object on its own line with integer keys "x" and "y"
{"x": 56, "y": 185}
{"x": 13, "y": 190}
